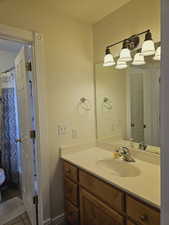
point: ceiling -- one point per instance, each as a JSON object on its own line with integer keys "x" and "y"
{"x": 90, "y": 11}
{"x": 9, "y": 46}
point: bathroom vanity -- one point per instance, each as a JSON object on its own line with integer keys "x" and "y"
{"x": 91, "y": 198}
{"x": 100, "y": 190}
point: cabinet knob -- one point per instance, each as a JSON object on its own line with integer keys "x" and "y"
{"x": 144, "y": 218}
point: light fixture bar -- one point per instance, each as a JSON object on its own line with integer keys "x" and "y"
{"x": 109, "y": 46}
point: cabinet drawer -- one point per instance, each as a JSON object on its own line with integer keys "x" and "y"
{"x": 141, "y": 213}
{"x": 71, "y": 213}
{"x": 70, "y": 171}
{"x": 112, "y": 196}
{"x": 71, "y": 191}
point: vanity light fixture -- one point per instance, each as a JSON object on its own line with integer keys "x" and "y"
{"x": 157, "y": 56}
{"x": 148, "y": 47}
{"x": 108, "y": 59}
{"x": 129, "y": 44}
{"x": 121, "y": 65}
{"x": 125, "y": 54}
{"x": 138, "y": 59}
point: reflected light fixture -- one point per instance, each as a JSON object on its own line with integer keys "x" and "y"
{"x": 108, "y": 58}
{"x": 148, "y": 47}
{"x": 121, "y": 65}
{"x": 125, "y": 54}
{"x": 138, "y": 59}
{"x": 157, "y": 56}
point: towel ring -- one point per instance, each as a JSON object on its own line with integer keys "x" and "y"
{"x": 85, "y": 104}
{"x": 107, "y": 103}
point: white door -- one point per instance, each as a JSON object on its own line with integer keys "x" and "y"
{"x": 25, "y": 124}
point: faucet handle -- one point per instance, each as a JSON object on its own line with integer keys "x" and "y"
{"x": 123, "y": 150}
{"x": 142, "y": 146}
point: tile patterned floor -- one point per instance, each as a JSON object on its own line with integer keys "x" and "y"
{"x": 20, "y": 220}
{"x": 11, "y": 209}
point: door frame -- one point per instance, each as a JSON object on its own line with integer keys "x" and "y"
{"x": 164, "y": 112}
{"x": 40, "y": 97}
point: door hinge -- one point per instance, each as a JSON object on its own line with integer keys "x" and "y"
{"x": 32, "y": 134}
{"x": 29, "y": 66}
{"x": 35, "y": 200}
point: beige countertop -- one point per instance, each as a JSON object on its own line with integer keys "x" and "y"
{"x": 145, "y": 185}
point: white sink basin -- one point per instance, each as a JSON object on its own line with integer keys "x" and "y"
{"x": 119, "y": 168}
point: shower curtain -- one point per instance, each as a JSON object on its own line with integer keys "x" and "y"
{"x": 8, "y": 146}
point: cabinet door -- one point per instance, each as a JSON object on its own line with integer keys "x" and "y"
{"x": 94, "y": 212}
{"x": 70, "y": 171}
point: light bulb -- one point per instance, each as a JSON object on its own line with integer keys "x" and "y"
{"x": 121, "y": 65}
{"x": 108, "y": 58}
{"x": 148, "y": 47}
{"x": 138, "y": 59}
{"x": 157, "y": 56}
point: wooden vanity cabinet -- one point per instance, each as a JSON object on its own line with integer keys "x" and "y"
{"x": 91, "y": 201}
{"x": 71, "y": 190}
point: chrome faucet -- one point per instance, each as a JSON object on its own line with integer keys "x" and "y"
{"x": 142, "y": 146}
{"x": 125, "y": 154}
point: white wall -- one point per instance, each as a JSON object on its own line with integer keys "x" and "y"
{"x": 68, "y": 52}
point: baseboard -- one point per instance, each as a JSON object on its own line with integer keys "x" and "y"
{"x": 59, "y": 220}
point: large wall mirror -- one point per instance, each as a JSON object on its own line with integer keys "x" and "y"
{"x": 127, "y": 102}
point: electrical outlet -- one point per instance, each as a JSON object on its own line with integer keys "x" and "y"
{"x": 61, "y": 130}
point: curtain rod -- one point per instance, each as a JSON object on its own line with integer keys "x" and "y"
{"x": 8, "y": 70}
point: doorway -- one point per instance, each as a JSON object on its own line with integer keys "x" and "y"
{"x": 18, "y": 175}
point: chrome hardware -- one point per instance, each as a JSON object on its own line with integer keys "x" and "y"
{"x": 32, "y": 134}
{"x": 144, "y": 218}
{"x": 125, "y": 154}
{"x": 19, "y": 140}
{"x": 29, "y": 66}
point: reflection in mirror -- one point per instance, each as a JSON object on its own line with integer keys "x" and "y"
{"x": 127, "y": 102}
